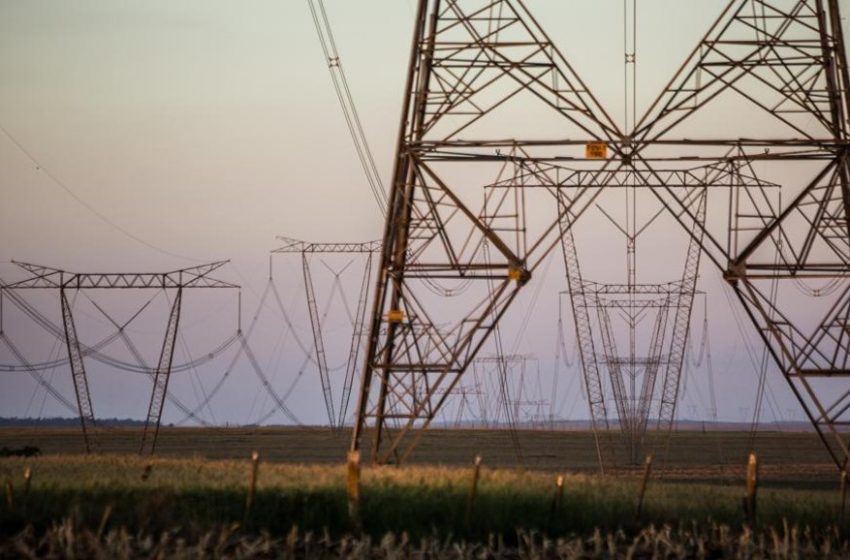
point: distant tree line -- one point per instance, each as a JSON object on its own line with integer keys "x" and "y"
{"x": 64, "y": 422}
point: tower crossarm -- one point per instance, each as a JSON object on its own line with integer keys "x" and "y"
{"x": 297, "y": 246}
{"x": 43, "y": 277}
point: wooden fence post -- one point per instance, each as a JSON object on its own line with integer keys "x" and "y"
{"x": 473, "y": 489}
{"x": 557, "y": 499}
{"x": 559, "y": 485}
{"x": 647, "y": 469}
{"x": 252, "y": 488}
{"x": 752, "y": 488}
{"x": 27, "y": 481}
{"x": 353, "y": 487}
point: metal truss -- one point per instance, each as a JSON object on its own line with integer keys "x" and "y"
{"x": 306, "y": 249}
{"x": 43, "y": 277}
{"x": 601, "y": 311}
{"x": 193, "y": 277}
{"x": 298, "y": 246}
{"x": 762, "y": 101}
{"x": 467, "y": 398}
{"x": 786, "y": 62}
{"x": 78, "y": 371}
{"x": 469, "y": 60}
{"x": 161, "y": 377}
{"x": 512, "y": 403}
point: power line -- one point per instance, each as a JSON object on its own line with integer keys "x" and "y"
{"x": 100, "y": 215}
{"x": 346, "y": 101}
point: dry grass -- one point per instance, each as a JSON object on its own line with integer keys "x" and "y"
{"x": 186, "y": 500}
{"x": 205, "y": 493}
{"x": 67, "y": 540}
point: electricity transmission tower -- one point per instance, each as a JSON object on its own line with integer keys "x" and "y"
{"x": 357, "y": 316}
{"x": 42, "y": 277}
{"x": 512, "y": 391}
{"x": 787, "y": 259}
{"x": 602, "y": 311}
{"x": 762, "y": 101}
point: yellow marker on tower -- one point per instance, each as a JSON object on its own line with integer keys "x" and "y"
{"x": 596, "y": 150}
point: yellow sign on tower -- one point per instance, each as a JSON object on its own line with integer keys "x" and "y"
{"x": 596, "y": 150}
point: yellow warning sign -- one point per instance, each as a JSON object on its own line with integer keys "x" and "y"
{"x": 395, "y": 316}
{"x": 596, "y": 150}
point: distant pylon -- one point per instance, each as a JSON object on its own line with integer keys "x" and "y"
{"x": 42, "y": 277}
{"x": 601, "y": 312}
{"x": 307, "y": 250}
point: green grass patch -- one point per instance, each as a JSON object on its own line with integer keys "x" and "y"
{"x": 197, "y": 495}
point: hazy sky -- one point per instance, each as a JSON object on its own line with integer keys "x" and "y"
{"x": 194, "y": 131}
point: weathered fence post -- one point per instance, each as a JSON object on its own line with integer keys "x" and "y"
{"x": 353, "y": 487}
{"x": 557, "y": 499}
{"x": 559, "y": 485}
{"x": 647, "y": 469}
{"x": 473, "y": 489}
{"x": 752, "y": 488}
{"x": 252, "y": 488}
{"x": 843, "y": 497}
{"x": 27, "y": 481}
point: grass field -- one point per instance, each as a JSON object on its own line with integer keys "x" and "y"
{"x": 207, "y": 492}
{"x": 198, "y": 484}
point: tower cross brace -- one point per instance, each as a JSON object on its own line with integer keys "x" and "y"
{"x": 784, "y": 61}
{"x": 47, "y": 278}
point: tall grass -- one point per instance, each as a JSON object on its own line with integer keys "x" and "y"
{"x": 69, "y": 540}
{"x": 199, "y": 495}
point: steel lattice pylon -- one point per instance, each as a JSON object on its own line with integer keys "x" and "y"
{"x": 42, "y": 277}
{"x": 665, "y": 308}
{"x": 306, "y": 249}
{"x": 761, "y": 101}
{"x": 785, "y": 60}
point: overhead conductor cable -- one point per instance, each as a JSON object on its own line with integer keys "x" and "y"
{"x": 346, "y": 101}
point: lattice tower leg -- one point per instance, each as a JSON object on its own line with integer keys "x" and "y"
{"x": 682, "y": 323}
{"x": 421, "y": 342}
{"x": 318, "y": 340}
{"x": 587, "y": 350}
{"x": 356, "y": 340}
{"x": 78, "y": 372}
{"x": 161, "y": 377}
